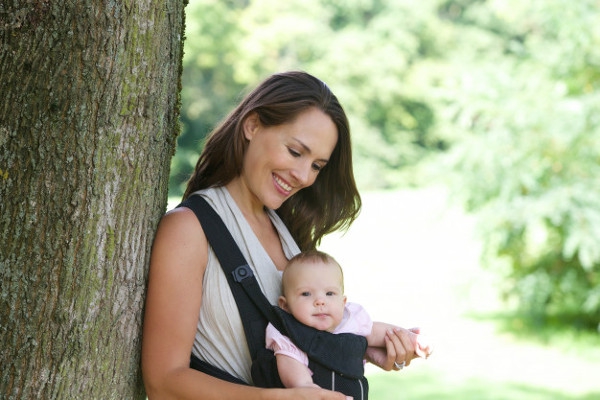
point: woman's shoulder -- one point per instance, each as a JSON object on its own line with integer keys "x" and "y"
{"x": 182, "y": 215}
{"x": 179, "y": 216}
{"x": 180, "y": 241}
{"x": 179, "y": 225}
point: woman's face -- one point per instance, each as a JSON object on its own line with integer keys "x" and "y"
{"x": 280, "y": 160}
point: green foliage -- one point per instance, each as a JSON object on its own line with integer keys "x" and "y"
{"x": 210, "y": 87}
{"x": 530, "y": 160}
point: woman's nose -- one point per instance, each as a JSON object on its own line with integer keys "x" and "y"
{"x": 302, "y": 174}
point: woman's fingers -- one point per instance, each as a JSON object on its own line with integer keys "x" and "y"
{"x": 377, "y": 356}
{"x": 383, "y": 357}
{"x": 403, "y": 344}
{"x": 401, "y": 347}
{"x": 398, "y": 345}
{"x": 393, "y": 351}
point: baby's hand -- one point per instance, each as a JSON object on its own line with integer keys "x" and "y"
{"x": 423, "y": 347}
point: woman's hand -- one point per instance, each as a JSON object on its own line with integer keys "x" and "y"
{"x": 400, "y": 347}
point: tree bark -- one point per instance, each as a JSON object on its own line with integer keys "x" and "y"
{"x": 89, "y": 105}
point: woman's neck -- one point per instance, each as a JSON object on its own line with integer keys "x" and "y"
{"x": 248, "y": 204}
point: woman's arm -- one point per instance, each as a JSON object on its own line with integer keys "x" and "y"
{"x": 173, "y": 300}
{"x": 389, "y": 343}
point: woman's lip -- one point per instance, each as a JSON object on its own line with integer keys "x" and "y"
{"x": 282, "y": 185}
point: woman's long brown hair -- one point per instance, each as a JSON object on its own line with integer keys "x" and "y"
{"x": 332, "y": 202}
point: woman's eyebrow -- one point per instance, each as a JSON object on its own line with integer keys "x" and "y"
{"x": 308, "y": 150}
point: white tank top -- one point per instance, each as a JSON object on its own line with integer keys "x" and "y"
{"x": 220, "y": 338}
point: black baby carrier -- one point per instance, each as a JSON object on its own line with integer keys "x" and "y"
{"x": 336, "y": 360}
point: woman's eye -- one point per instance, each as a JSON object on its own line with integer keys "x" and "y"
{"x": 317, "y": 167}
{"x": 293, "y": 152}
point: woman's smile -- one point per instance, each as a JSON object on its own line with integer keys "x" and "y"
{"x": 283, "y": 186}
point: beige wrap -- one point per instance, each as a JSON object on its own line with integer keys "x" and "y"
{"x": 220, "y": 339}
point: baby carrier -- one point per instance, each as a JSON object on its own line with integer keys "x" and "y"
{"x": 336, "y": 360}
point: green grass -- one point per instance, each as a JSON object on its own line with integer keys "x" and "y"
{"x": 562, "y": 334}
{"x": 430, "y": 385}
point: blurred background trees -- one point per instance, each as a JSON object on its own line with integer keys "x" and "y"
{"x": 528, "y": 160}
{"x": 499, "y": 100}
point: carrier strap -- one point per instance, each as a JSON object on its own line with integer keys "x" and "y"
{"x": 254, "y": 308}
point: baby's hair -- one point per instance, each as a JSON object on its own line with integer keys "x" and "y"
{"x": 312, "y": 256}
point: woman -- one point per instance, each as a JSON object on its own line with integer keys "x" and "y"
{"x": 286, "y": 147}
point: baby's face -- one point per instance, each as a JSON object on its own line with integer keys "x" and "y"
{"x": 314, "y": 294}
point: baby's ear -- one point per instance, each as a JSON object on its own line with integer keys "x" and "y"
{"x": 345, "y": 298}
{"x": 283, "y": 303}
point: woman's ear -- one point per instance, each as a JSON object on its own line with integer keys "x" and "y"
{"x": 283, "y": 303}
{"x": 251, "y": 124}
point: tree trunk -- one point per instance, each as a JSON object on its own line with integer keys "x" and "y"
{"x": 89, "y": 104}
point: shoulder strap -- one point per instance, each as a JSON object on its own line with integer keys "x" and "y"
{"x": 254, "y": 308}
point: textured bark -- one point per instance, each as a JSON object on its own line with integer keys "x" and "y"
{"x": 89, "y": 103}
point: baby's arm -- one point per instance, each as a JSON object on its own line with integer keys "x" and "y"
{"x": 380, "y": 331}
{"x": 292, "y": 363}
{"x": 293, "y": 373}
{"x": 378, "y": 334}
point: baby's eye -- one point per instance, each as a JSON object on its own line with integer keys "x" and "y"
{"x": 330, "y": 293}
{"x": 305, "y": 294}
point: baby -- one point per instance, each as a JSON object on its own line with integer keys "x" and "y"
{"x": 313, "y": 292}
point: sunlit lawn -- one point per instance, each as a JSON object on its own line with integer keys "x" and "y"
{"x": 413, "y": 259}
